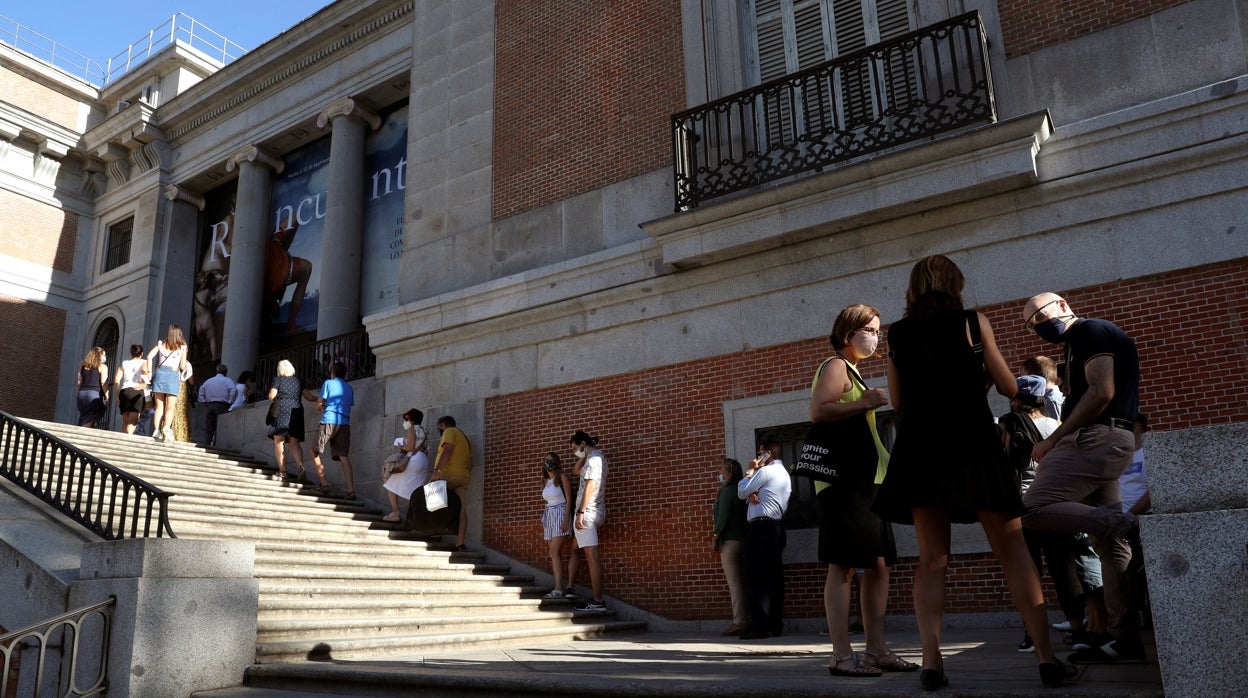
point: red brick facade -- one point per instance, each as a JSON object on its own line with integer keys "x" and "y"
{"x": 35, "y": 98}
{"x": 1027, "y": 25}
{"x": 584, "y": 92}
{"x": 662, "y": 430}
{"x": 31, "y": 337}
{"x": 37, "y": 233}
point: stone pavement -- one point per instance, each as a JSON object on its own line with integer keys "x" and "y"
{"x": 979, "y": 662}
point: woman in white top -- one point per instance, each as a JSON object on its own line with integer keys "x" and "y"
{"x": 402, "y": 483}
{"x": 129, "y": 382}
{"x": 166, "y": 363}
{"x": 555, "y": 516}
{"x": 243, "y": 384}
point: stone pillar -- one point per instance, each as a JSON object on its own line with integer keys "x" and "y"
{"x": 174, "y": 296}
{"x": 341, "y": 246}
{"x": 241, "y": 336}
{"x": 185, "y": 618}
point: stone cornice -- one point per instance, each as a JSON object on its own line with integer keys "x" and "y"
{"x": 254, "y": 153}
{"x": 252, "y": 86}
{"x": 350, "y": 108}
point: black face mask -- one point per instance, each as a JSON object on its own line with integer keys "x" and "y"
{"x": 1050, "y": 330}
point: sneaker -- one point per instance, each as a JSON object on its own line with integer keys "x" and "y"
{"x": 1064, "y": 626}
{"x": 569, "y": 594}
{"x": 1113, "y": 652}
{"x": 159, "y": 436}
{"x": 168, "y": 434}
{"x": 553, "y": 594}
{"x": 1026, "y": 645}
{"x": 1084, "y": 640}
{"x": 592, "y": 606}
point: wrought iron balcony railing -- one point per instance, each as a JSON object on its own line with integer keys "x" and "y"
{"x": 312, "y": 361}
{"x": 108, "y": 501}
{"x": 898, "y": 91}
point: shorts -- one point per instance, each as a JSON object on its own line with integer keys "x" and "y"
{"x": 588, "y": 537}
{"x": 131, "y": 400}
{"x": 166, "y": 381}
{"x": 459, "y": 485}
{"x": 552, "y": 521}
{"x": 333, "y": 436}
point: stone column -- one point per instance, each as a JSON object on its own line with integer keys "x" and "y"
{"x": 241, "y": 336}
{"x": 342, "y": 243}
{"x": 173, "y": 297}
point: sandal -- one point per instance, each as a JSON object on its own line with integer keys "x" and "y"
{"x": 303, "y": 475}
{"x": 889, "y": 661}
{"x": 856, "y": 668}
{"x": 393, "y": 517}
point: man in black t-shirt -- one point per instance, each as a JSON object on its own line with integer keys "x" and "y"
{"x": 1076, "y": 485}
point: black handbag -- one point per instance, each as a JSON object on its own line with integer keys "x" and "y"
{"x": 270, "y": 417}
{"x": 835, "y": 451}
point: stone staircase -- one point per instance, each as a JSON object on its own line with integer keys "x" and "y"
{"x": 336, "y": 582}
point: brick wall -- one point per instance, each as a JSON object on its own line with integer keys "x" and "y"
{"x": 583, "y": 96}
{"x": 31, "y": 337}
{"x": 662, "y": 432}
{"x": 39, "y": 99}
{"x": 36, "y": 232}
{"x": 1027, "y": 25}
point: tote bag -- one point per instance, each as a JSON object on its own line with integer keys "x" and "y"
{"x": 837, "y": 450}
{"x": 435, "y": 495}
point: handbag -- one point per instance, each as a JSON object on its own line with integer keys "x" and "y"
{"x": 394, "y": 463}
{"x": 435, "y": 495}
{"x": 833, "y": 451}
{"x": 270, "y": 417}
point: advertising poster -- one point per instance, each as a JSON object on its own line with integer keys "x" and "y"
{"x": 212, "y": 277}
{"x": 385, "y": 162}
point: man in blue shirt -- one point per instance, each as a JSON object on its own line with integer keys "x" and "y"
{"x": 334, "y": 432}
{"x": 766, "y": 487}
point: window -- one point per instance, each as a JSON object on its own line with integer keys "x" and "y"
{"x": 785, "y": 36}
{"x": 117, "y": 250}
{"x": 803, "y": 511}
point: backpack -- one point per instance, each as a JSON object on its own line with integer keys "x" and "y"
{"x": 1023, "y": 437}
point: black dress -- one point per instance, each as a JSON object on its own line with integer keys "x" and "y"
{"x": 289, "y": 419}
{"x": 947, "y": 454}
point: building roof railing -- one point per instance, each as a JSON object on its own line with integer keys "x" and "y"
{"x": 179, "y": 28}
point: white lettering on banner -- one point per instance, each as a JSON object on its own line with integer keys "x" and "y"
{"x": 815, "y": 448}
{"x": 400, "y": 179}
{"x": 218, "y": 233}
{"x": 812, "y": 468}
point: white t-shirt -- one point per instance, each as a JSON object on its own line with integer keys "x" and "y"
{"x": 595, "y": 468}
{"x": 1133, "y": 483}
{"x": 553, "y": 492}
{"x": 773, "y": 485}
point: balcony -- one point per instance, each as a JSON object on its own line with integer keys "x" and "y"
{"x": 904, "y": 90}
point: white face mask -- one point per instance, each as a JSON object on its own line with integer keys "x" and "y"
{"x": 721, "y": 477}
{"x": 406, "y": 425}
{"x": 864, "y": 344}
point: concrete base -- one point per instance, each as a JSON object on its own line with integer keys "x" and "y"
{"x": 1196, "y": 565}
{"x": 185, "y": 618}
{"x": 1203, "y": 469}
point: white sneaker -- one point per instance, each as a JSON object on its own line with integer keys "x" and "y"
{"x": 168, "y": 434}
{"x": 159, "y": 436}
{"x": 553, "y": 594}
{"x": 1064, "y": 626}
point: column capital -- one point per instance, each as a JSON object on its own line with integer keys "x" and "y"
{"x": 254, "y": 153}
{"x": 175, "y": 193}
{"x": 348, "y": 107}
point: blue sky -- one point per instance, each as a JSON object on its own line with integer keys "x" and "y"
{"x": 101, "y": 29}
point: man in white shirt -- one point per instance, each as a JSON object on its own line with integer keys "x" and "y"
{"x": 766, "y": 487}
{"x": 590, "y": 513}
{"x": 217, "y": 394}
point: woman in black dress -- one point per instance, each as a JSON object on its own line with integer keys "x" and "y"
{"x": 851, "y": 536}
{"x": 92, "y": 387}
{"x": 287, "y": 427}
{"x": 947, "y": 464}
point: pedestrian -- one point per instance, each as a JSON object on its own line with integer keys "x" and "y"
{"x": 217, "y": 394}
{"x": 454, "y": 465}
{"x": 129, "y": 383}
{"x": 1043, "y": 366}
{"x": 1076, "y": 486}
{"x": 947, "y": 465}
{"x": 851, "y": 536}
{"x": 92, "y": 387}
{"x": 243, "y": 390}
{"x": 415, "y": 472}
{"x": 186, "y": 400}
{"x": 334, "y": 432}
{"x": 556, "y": 517}
{"x": 730, "y": 535}
{"x": 165, "y": 363}
{"x": 287, "y": 430}
{"x": 590, "y": 515}
{"x": 766, "y": 487}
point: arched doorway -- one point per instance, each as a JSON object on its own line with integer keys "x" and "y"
{"x": 106, "y": 337}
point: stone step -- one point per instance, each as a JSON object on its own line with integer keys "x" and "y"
{"x": 400, "y": 645}
{"x": 292, "y": 629}
{"x": 310, "y": 571}
{"x": 365, "y": 563}
{"x": 371, "y": 589}
{"x": 278, "y": 606}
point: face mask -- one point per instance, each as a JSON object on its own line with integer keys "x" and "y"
{"x": 1050, "y": 330}
{"x": 865, "y": 344}
{"x": 406, "y": 425}
{"x": 580, "y": 453}
{"x": 721, "y": 478}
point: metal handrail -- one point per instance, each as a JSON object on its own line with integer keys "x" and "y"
{"x": 105, "y": 499}
{"x": 898, "y": 91}
{"x": 312, "y": 361}
{"x": 43, "y": 49}
{"x": 74, "y": 620}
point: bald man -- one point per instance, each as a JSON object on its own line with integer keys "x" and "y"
{"x": 1076, "y": 485}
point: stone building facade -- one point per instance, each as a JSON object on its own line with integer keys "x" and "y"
{"x": 545, "y": 283}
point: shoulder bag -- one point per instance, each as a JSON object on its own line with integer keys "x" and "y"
{"x": 840, "y": 449}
